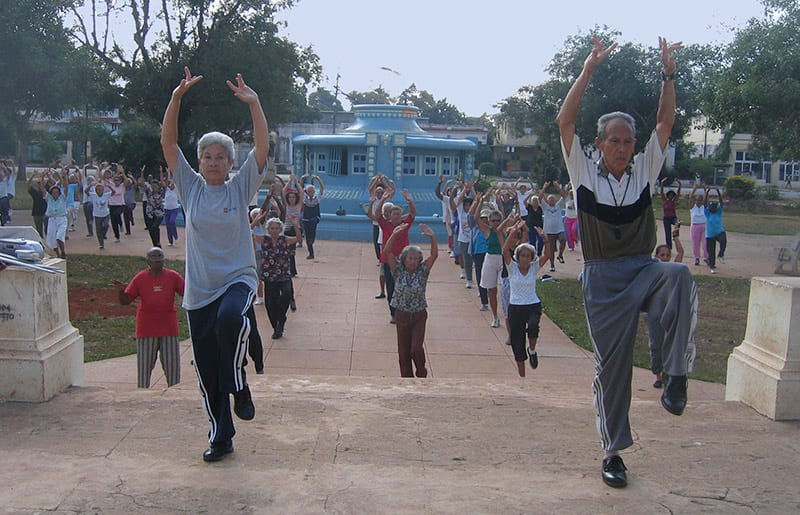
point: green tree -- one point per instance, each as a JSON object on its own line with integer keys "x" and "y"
{"x": 629, "y": 81}
{"x": 445, "y": 113}
{"x": 216, "y": 39}
{"x": 324, "y": 100}
{"x": 756, "y": 87}
{"x": 137, "y": 144}
{"x": 419, "y": 98}
{"x": 42, "y": 68}
{"x": 376, "y": 96}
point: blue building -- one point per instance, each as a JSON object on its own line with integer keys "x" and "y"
{"x": 382, "y": 139}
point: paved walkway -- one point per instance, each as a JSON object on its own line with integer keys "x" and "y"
{"x": 337, "y": 432}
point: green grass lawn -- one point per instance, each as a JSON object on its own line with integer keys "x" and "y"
{"x": 721, "y": 324}
{"x": 722, "y": 319}
{"x": 111, "y": 337}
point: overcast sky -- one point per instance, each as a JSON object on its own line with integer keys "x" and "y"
{"x": 476, "y": 53}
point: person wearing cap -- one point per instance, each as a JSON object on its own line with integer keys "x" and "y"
{"x": 56, "y": 220}
{"x": 157, "y": 329}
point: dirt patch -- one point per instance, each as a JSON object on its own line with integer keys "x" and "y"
{"x": 103, "y": 302}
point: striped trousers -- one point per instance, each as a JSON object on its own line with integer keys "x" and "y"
{"x": 147, "y": 349}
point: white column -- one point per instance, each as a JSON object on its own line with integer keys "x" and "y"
{"x": 764, "y": 371}
{"x": 41, "y": 353}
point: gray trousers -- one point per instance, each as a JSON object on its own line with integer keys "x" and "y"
{"x": 614, "y": 292}
{"x": 656, "y": 333}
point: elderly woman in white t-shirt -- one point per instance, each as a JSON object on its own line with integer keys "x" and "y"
{"x": 525, "y": 308}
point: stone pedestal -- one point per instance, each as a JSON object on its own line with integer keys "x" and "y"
{"x": 41, "y": 354}
{"x": 764, "y": 371}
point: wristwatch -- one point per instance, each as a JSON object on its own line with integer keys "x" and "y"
{"x": 665, "y": 77}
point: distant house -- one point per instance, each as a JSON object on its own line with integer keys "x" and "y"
{"x": 76, "y": 150}
{"x": 741, "y": 161}
{"x": 513, "y": 154}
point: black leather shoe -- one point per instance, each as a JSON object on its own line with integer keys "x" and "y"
{"x": 243, "y": 404}
{"x": 218, "y": 450}
{"x": 614, "y": 472}
{"x": 674, "y": 397}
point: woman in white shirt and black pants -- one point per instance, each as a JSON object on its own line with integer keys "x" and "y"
{"x": 525, "y": 308}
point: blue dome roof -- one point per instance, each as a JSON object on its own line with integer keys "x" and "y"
{"x": 385, "y": 118}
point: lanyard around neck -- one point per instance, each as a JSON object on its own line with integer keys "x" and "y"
{"x": 624, "y": 193}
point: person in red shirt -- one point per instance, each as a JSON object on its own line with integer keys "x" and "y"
{"x": 156, "y": 318}
{"x": 392, "y": 216}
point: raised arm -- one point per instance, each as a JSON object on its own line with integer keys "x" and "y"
{"x": 412, "y": 207}
{"x": 260, "y": 130}
{"x": 546, "y": 250}
{"x": 438, "y": 190}
{"x": 169, "y": 125}
{"x": 568, "y": 113}
{"x": 388, "y": 255}
{"x": 427, "y": 231}
{"x": 320, "y": 184}
{"x": 511, "y": 241}
{"x": 542, "y": 192}
{"x": 676, "y": 240}
{"x": 665, "y": 118}
{"x": 453, "y": 205}
{"x": 691, "y": 196}
{"x": 387, "y": 194}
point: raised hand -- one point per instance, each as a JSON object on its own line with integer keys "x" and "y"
{"x": 598, "y": 53}
{"x": 242, "y": 91}
{"x": 400, "y": 228}
{"x": 186, "y": 83}
{"x": 427, "y": 231}
{"x": 668, "y": 54}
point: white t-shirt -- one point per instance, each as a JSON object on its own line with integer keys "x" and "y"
{"x": 698, "y": 214}
{"x": 523, "y": 287}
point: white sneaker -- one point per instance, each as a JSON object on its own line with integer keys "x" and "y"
{"x": 258, "y": 301}
{"x": 713, "y": 270}
{"x": 469, "y": 284}
{"x": 484, "y": 307}
{"x": 496, "y": 322}
{"x": 462, "y": 276}
{"x": 721, "y": 259}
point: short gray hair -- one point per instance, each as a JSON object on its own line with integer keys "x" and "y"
{"x": 524, "y": 246}
{"x": 410, "y": 248}
{"x": 274, "y": 221}
{"x": 216, "y": 138}
{"x": 604, "y": 120}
